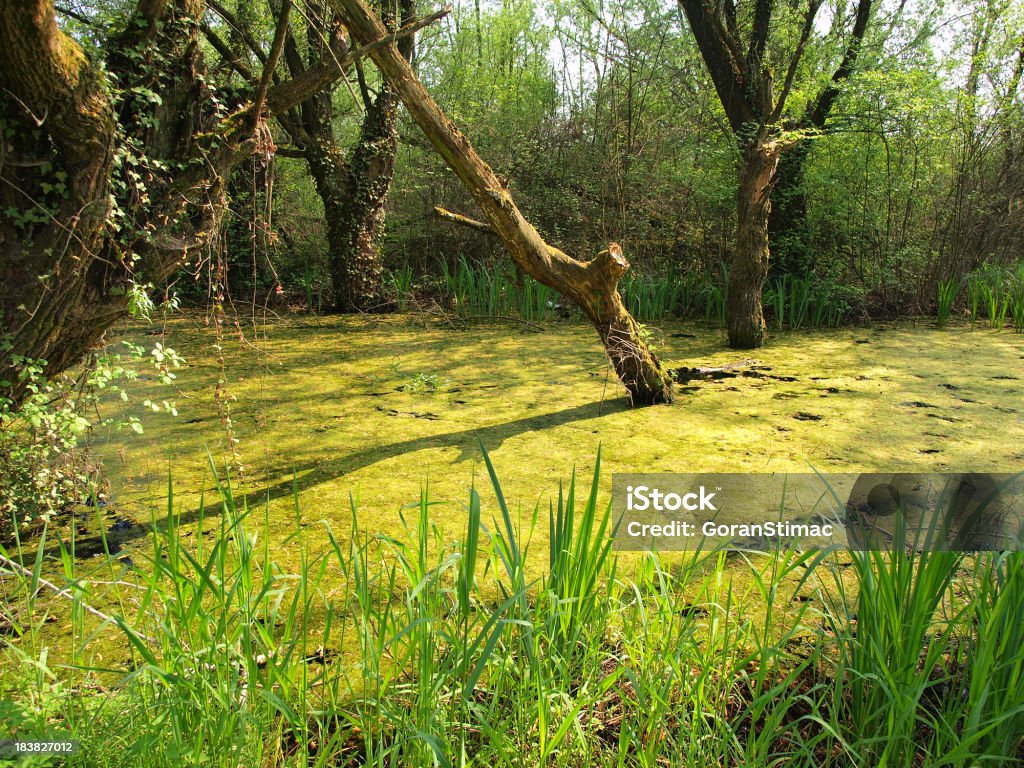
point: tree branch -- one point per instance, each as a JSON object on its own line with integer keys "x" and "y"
{"x": 30, "y": 577}
{"x": 226, "y": 53}
{"x": 817, "y": 115}
{"x": 759, "y": 34}
{"x": 728, "y": 71}
{"x": 465, "y": 221}
{"x": 293, "y": 152}
{"x": 271, "y": 63}
{"x": 72, "y": 14}
{"x": 805, "y": 34}
{"x": 292, "y": 92}
{"x": 240, "y": 29}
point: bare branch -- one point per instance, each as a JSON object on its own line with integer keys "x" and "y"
{"x": 292, "y": 92}
{"x": 72, "y": 14}
{"x": 465, "y": 221}
{"x": 271, "y": 63}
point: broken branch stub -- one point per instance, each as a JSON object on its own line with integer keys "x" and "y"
{"x": 593, "y": 285}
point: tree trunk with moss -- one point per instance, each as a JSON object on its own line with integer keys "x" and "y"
{"x": 744, "y": 313}
{"x": 357, "y": 269}
{"x": 593, "y": 285}
{"x": 353, "y": 189}
{"x": 113, "y": 172}
{"x": 109, "y": 179}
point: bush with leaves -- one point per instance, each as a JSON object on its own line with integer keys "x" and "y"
{"x": 44, "y": 467}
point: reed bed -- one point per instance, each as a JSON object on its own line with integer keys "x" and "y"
{"x": 436, "y": 647}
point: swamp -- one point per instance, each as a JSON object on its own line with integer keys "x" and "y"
{"x": 363, "y": 364}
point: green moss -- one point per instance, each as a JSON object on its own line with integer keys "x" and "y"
{"x": 324, "y": 404}
{"x": 332, "y": 406}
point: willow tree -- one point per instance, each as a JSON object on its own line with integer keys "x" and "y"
{"x": 114, "y": 165}
{"x": 743, "y": 45}
{"x": 592, "y": 285}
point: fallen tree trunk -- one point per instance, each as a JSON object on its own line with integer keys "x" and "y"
{"x": 593, "y": 285}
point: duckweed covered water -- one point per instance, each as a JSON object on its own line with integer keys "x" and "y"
{"x": 373, "y": 408}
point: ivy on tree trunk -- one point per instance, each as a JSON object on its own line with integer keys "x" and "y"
{"x": 114, "y": 170}
{"x": 353, "y": 188}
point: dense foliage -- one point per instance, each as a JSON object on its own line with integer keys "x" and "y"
{"x": 607, "y": 127}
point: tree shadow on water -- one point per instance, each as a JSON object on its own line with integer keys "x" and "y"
{"x": 311, "y": 474}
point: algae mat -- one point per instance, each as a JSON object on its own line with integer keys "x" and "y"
{"x": 372, "y": 409}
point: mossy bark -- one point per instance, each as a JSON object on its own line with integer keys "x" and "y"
{"x": 113, "y": 173}
{"x": 593, "y": 285}
{"x": 355, "y": 226}
{"x": 352, "y": 188}
{"x": 749, "y": 268}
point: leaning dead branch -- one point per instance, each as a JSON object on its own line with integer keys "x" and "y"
{"x": 465, "y": 221}
{"x": 592, "y": 285}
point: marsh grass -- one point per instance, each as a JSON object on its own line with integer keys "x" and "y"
{"x": 997, "y": 304}
{"x": 650, "y": 298}
{"x": 401, "y": 282}
{"x": 434, "y": 648}
{"x": 797, "y": 301}
{"x": 997, "y": 292}
{"x": 974, "y": 293}
{"x": 925, "y": 673}
{"x": 1016, "y": 299}
{"x": 478, "y": 290}
{"x": 948, "y": 290}
{"x": 776, "y": 296}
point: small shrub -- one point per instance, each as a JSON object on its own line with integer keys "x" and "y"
{"x": 40, "y": 472}
{"x": 43, "y": 467}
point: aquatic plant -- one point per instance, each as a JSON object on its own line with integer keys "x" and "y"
{"x": 947, "y": 293}
{"x": 401, "y": 281}
{"x": 1017, "y": 299}
{"x": 416, "y": 649}
{"x": 997, "y": 302}
{"x": 776, "y": 296}
{"x": 974, "y": 293}
{"x": 690, "y": 290}
{"x": 649, "y": 298}
{"x": 800, "y": 289}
